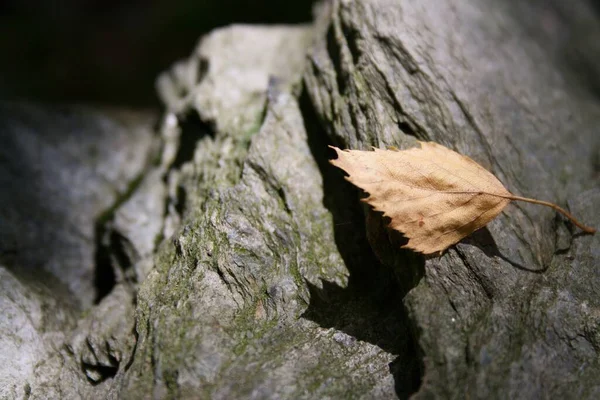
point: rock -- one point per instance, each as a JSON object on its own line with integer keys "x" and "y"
{"x": 64, "y": 171}
{"x": 240, "y": 264}
{"x": 226, "y": 89}
{"x": 32, "y": 332}
{"x": 221, "y": 315}
{"x": 65, "y": 168}
{"x": 502, "y": 314}
{"x": 137, "y": 227}
{"x": 104, "y": 339}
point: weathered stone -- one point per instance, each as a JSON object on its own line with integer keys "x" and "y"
{"x": 242, "y": 263}
{"x": 32, "y": 331}
{"x": 502, "y": 314}
{"x": 103, "y": 340}
{"x": 220, "y": 316}
{"x": 64, "y": 168}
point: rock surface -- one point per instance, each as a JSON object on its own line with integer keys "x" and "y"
{"x": 508, "y": 313}
{"x": 220, "y": 316}
{"x": 237, "y": 263}
{"x": 65, "y": 169}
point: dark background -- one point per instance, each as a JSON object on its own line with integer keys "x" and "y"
{"x": 110, "y": 51}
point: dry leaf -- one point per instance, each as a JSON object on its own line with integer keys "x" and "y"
{"x": 431, "y": 194}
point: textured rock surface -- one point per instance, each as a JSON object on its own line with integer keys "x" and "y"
{"x": 220, "y": 316}
{"x": 504, "y": 314}
{"x": 237, "y": 263}
{"x": 63, "y": 172}
{"x": 65, "y": 167}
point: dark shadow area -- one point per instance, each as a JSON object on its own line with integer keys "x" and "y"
{"x": 192, "y": 130}
{"x": 111, "y": 51}
{"x": 104, "y": 274}
{"x": 483, "y": 240}
{"x": 370, "y": 308}
{"x": 114, "y": 252}
{"x": 100, "y": 372}
{"x": 180, "y": 205}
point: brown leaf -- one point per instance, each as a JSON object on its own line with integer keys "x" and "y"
{"x": 431, "y": 194}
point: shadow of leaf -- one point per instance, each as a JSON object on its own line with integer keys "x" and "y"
{"x": 370, "y": 308}
{"x": 483, "y": 240}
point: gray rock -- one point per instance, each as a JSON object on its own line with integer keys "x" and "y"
{"x": 504, "y": 313}
{"x": 221, "y": 315}
{"x": 33, "y": 362}
{"x": 244, "y": 265}
{"x": 103, "y": 340}
{"x": 65, "y": 168}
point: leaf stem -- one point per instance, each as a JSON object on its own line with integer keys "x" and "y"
{"x": 561, "y": 210}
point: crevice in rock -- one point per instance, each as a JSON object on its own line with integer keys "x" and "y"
{"x": 407, "y": 381}
{"x": 203, "y": 67}
{"x": 97, "y": 374}
{"x": 483, "y": 141}
{"x": 406, "y": 124}
{"x": 352, "y": 36}
{"x": 136, "y": 335}
{"x": 193, "y": 128}
{"x": 397, "y": 50}
{"x": 405, "y": 128}
{"x": 114, "y": 254}
{"x": 334, "y": 51}
{"x": 104, "y": 275}
{"x": 476, "y": 277}
{"x": 370, "y": 308}
{"x": 114, "y": 257}
{"x": 271, "y": 184}
{"x": 123, "y": 252}
{"x": 110, "y": 246}
{"x": 181, "y": 200}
